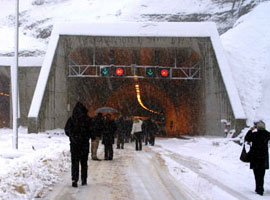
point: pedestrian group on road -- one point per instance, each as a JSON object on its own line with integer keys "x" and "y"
{"x": 80, "y": 128}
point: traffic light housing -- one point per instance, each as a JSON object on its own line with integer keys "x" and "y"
{"x": 164, "y": 72}
{"x": 105, "y": 71}
{"x": 118, "y": 71}
{"x": 150, "y": 72}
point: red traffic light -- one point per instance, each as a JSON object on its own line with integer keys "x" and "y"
{"x": 119, "y": 71}
{"x": 164, "y": 73}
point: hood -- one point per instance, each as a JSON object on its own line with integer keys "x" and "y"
{"x": 79, "y": 111}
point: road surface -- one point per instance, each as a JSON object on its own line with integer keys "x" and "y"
{"x": 131, "y": 175}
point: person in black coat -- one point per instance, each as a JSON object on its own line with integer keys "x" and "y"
{"x": 108, "y": 137}
{"x": 145, "y": 131}
{"x": 151, "y": 130}
{"x": 128, "y": 124}
{"x": 259, "y": 154}
{"x": 121, "y": 133}
{"x": 98, "y": 127}
{"x": 78, "y": 129}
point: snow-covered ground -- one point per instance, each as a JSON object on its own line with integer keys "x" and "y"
{"x": 206, "y": 166}
{"x": 216, "y": 171}
{"x": 27, "y": 172}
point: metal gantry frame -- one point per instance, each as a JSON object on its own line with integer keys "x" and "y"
{"x": 187, "y": 73}
{"x": 176, "y": 72}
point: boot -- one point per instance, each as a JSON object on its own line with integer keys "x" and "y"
{"x": 74, "y": 184}
{"x": 84, "y": 182}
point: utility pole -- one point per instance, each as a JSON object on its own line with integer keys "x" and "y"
{"x": 15, "y": 81}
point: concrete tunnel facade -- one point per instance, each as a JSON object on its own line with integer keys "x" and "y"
{"x": 190, "y": 106}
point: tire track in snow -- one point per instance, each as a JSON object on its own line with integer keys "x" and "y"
{"x": 195, "y": 165}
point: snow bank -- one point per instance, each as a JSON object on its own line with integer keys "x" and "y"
{"x": 248, "y": 48}
{"x": 27, "y": 172}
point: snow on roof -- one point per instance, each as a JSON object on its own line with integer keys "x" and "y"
{"x": 141, "y": 29}
{"x": 161, "y": 29}
{"x": 23, "y": 61}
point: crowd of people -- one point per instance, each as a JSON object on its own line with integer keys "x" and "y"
{"x": 80, "y": 128}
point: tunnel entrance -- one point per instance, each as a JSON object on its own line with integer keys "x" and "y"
{"x": 179, "y": 68}
{"x": 171, "y": 101}
{"x": 4, "y": 97}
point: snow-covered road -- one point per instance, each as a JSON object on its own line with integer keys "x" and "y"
{"x": 200, "y": 168}
{"x": 149, "y": 174}
{"x": 131, "y": 175}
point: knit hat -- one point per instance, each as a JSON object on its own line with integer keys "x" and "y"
{"x": 260, "y": 125}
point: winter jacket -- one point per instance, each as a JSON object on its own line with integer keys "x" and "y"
{"x": 136, "y": 127}
{"x": 259, "y": 148}
{"x": 98, "y": 126}
{"x": 150, "y": 127}
{"x": 78, "y": 129}
{"x": 121, "y": 128}
{"x": 109, "y": 131}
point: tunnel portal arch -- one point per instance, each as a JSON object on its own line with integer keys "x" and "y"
{"x": 216, "y": 97}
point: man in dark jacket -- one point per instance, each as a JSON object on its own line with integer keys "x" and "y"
{"x": 151, "y": 130}
{"x": 98, "y": 128}
{"x": 259, "y": 154}
{"x": 128, "y": 124}
{"x": 121, "y": 133}
{"x": 108, "y": 137}
{"x": 78, "y": 130}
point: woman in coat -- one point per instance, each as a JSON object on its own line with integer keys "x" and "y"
{"x": 78, "y": 130}
{"x": 108, "y": 137}
{"x": 259, "y": 154}
{"x": 137, "y": 133}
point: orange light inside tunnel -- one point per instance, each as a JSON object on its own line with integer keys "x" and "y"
{"x": 4, "y": 94}
{"x": 137, "y": 87}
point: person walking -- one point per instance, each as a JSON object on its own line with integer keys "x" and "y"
{"x": 137, "y": 133}
{"x": 98, "y": 127}
{"x": 121, "y": 133}
{"x": 259, "y": 153}
{"x": 108, "y": 137}
{"x": 128, "y": 125}
{"x": 152, "y": 129}
{"x": 145, "y": 131}
{"x": 78, "y": 129}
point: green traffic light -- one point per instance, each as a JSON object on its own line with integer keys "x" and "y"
{"x": 150, "y": 72}
{"x": 104, "y": 71}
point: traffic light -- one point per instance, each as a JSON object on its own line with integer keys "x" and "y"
{"x": 150, "y": 71}
{"x": 164, "y": 72}
{"x": 119, "y": 71}
{"x": 105, "y": 71}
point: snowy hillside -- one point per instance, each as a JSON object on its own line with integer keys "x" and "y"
{"x": 243, "y": 28}
{"x": 38, "y": 16}
{"x": 248, "y": 48}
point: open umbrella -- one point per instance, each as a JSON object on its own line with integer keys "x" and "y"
{"x": 106, "y": 110}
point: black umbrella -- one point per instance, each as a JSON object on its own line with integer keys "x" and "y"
{"x": 106, "y": 110}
